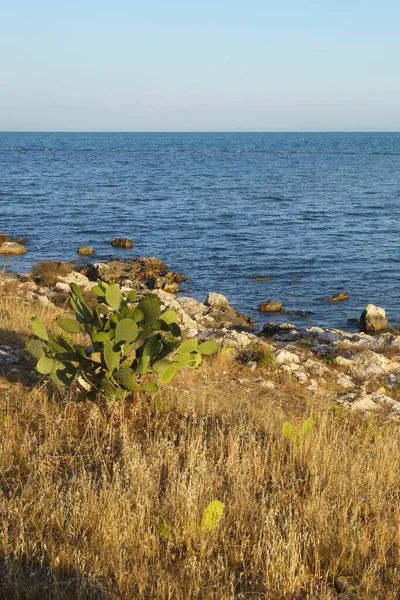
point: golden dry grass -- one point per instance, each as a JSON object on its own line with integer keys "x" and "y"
{"x": 82, "y": 487}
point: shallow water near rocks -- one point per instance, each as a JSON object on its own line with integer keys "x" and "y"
{"x": 317, "y": 213}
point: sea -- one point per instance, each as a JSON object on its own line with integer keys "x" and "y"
{"x": 313, "y": 214}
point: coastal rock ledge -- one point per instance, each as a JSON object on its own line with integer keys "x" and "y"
{"x": 354, "y": 370}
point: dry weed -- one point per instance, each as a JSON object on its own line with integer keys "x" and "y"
{"x": 82, "y": 488}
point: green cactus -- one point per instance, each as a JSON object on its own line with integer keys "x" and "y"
{"x": 134, "y": 346}
{"x": 296, "y": 435}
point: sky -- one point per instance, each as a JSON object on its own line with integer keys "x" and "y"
{"x": 186, "y": 65}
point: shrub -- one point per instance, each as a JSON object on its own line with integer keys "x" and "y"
{"x": 48, "y": 272}
{"x": 134, "y": 346}
{"x": 259, "y": 353}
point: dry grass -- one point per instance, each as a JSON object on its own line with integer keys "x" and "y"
{"x": 82, "y": 488}
{"x": 48, "y": 272}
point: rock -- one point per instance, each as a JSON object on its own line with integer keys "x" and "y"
{"x": 75, "y": 277}
{"x": 85, "y": 251}
{"x": 283, "y": 357}
{"x": 122, "y": 243}
{"x": 300, "y": 375}
{"x": 62, "y": 287}
{"x": 192, "y": 307}
{"x": 171, "y": 287}
{"x": 345, "y": 382}
{"x": 373, "y": 318}
{"x": 316, "y": 368}
{"x": 12, "y": 248}
{"x": 338, "y": 297}
{"x": 133, "y": 269}
{"x": 270, "y": 306}
{"x": 4, "y": 238}
{"x": 346, "y": 584}
{"x": 216, "y": 301}
{"x": 270, "y": 329}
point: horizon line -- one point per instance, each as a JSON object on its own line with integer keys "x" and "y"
{"x": 199, "y": 131}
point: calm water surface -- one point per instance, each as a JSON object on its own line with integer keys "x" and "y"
{"x": 316, "y": 213}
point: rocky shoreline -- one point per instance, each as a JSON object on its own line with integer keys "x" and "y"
{"x": 363, "y": 370}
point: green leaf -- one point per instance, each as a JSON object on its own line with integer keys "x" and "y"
{"x": 184, "y": 360}
{"x": 150, "y": 387}
{"x": 45, "y": 365}
{"x": 76, "y": 290}
{"x": 98, "y": 291}
{"x": 152, "y": 347}
{"x": 169, "y": 316}
{"x": 161, "y": 366}
{"x": 127, "y": 379}
{"x": 174, "y": 329}
{"x": 168, "y": 374}
{"x": 150, "y": 307}
{"x": 82, "y": 311}
{"x": 111, "y": 356}
{"x": 212, "y": 516}
{"x": 208, "y": 348}
{"x": 69, "y": 325}
{"x": 126, "y": 331}
{"x": 132, "y": 296}
{"x": 36, "y": 347}
{"x": 136, "y": 315}
{"x": 196, "y": 360}
{"x": 113, "y": 296}
{"x": 307, "y": 426}
{"x": 162, "y": 529}
{"x": 109, "y": 388}
{"x": 39, "y": 329}
{"x": 128, "y": 349}
{"x": 188, "y": 346}
{"x": 101, "y": 336}
{"x": 62, "y": 374}
{"x": 115, "y": 318}
{"x": 288, "y": 431}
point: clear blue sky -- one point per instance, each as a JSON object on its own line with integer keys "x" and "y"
{"x": 186, "y": 65}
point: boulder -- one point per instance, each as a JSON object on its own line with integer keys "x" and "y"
{"x": 270, "y": 306}
{"x": 12, "y": 248}
{"x": 171, "y": 287}
{"x": 75, "y": 277}
{"x": 122, "y": 243}
{"x": 284, "y": 357}
{"x": 85, "y": 251}
{"x": 373, "y": 318}
{"x": 216, "y": 301}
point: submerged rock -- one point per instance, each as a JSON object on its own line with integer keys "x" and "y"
{"x": 270, "y": 306}
{"x": 85, "y": 251}
{"x": 122, "y": 243}
{"x": 373, "y": 318}
{"x": 338, "y": 297}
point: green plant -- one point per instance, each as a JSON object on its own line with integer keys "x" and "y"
{"x": 134, "y": 346}
{"x": 212, "y": 515}
{"x": 259, "y": 353}
{"x": 296, "y": 435}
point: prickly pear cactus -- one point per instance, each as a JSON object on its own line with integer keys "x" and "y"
{"x": 121, "y": 346}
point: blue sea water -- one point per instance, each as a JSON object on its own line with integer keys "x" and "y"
{"x": 317, "y": 213}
